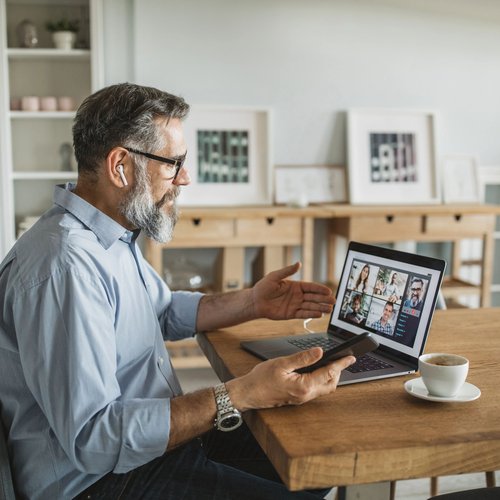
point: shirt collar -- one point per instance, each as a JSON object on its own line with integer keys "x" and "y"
{"x": 105, "y": 228}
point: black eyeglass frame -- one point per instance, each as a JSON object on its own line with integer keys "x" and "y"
{"x": 176, "y": 162}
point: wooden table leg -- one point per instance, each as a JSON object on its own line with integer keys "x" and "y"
{"x": 268, "y": 259}
{"x": 230, "y": 268}
{"x": 307, "y": 248}
{"x": 375, "y": 491}
{"x": 331, "y": 248}
{"x": 434, "y": 486}
{"x": 490, "y": 479}
{"x": 487, "y": 269}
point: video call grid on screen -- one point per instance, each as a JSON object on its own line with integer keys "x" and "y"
{"x": 407, "y": 288}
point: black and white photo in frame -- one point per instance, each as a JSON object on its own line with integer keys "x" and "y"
{"x": 229, "y": 156}
{"x": 392, "y": 156}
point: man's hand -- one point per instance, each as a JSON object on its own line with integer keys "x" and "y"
{"x": 270, "y": 384}
{"x": 276, "y": 297}
{"x": 275, "y": 382}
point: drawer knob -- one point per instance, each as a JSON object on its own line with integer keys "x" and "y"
{"x": 458, "y": 217}
{"x": 197, "y": 221}
{"x": 270, "y": 220}
{"x": 389, "y": 218}
{"x": 232, "y": 284}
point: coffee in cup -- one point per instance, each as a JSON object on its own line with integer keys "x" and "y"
{"x": 443, "y": 374}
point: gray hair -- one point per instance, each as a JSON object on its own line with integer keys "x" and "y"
{"x": 121, "y": 115}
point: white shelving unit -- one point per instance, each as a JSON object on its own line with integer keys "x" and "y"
{"x": 30, "y": 141}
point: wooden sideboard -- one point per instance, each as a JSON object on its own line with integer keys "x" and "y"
{"x": 277, "y": 230}
{"x": 426, "y": 223}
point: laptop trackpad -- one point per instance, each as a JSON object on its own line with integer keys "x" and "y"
{"x": 269, "y": 348}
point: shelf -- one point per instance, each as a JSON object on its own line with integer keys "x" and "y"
{"x": 453, "y": 288}
{"x": 455, "y": 304}
{"x": 37, "y": 115}
{"x": 48, "y": 53}
{"x": 471, "y": 262}
{"x": 33, "y": 176}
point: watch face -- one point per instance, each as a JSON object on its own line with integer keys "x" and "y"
{"x": 230, "y": 422}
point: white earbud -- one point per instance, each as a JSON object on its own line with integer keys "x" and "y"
{"x": 119, "y": 168}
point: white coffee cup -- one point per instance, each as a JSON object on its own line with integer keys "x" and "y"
{"x": 443, "y": 374}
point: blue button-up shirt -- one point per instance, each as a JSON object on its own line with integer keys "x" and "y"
{"x": 85, "y": 379}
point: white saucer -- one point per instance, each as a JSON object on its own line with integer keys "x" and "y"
{"x": 416, "y": 387}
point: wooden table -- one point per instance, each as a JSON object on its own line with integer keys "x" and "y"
{"x": 375, "y": 431}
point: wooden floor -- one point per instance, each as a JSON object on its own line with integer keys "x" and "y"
{"x": 415, "y": 489}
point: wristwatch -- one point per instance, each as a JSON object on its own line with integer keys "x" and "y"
{"x": 228, "y": 417}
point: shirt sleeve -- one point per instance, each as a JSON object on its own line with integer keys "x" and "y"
{"x": 68, "y": 355}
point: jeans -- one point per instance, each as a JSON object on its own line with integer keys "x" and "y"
{"x": 225, "y": 466}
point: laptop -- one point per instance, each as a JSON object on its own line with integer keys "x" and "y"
{"x": 391, "y": 294}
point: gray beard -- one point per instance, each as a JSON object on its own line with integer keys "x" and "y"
{"x": 143, "y": 213}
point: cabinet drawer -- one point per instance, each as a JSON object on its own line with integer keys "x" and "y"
{"x": 196, "y": 231}
{"x": 459, "y": 226}
{"x": 270, "y": 230}
{"x": 382, "y": 228}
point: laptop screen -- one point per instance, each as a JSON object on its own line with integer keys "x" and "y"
{"x": 389, "y": 293}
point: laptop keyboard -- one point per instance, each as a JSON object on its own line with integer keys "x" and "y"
{"x": 365, "y": 363}
{"x": 305, "y": 343}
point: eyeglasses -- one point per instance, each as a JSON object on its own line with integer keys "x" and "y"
{"x": 175, "y": 163}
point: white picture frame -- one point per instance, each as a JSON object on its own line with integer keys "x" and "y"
{"x": 460, "y": 179}
{"x": 229, "y": 156}
{"x": 392, "y": 157}
{"x": 300, "y": 185}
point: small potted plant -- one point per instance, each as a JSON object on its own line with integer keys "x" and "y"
{"x": 63, "y": 32}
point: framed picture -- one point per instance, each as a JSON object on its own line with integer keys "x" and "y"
{"x": 299, "y": 185}
{"x": 460, "y": 179}
{"x": 392, "y": 157}
{"x": 229, "y": 157}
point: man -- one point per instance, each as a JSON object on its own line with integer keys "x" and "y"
{"x": 88, "y": 395}
{"x": 354, "y": 315}
{"x": 414, "y": 299}
{"x": 383, "y": 325}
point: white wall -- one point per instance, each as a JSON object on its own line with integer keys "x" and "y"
{"x": 311, "y": 60}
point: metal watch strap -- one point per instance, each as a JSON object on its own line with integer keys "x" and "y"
{"x": 228, "y": 417}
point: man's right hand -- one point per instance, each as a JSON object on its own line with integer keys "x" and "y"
{"x": 275, "y": 382}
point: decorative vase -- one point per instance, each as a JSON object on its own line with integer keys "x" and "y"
{"x": 27, "y": 36}
{"x": 64, "y": 40}
{"x": 65, "y": 103}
